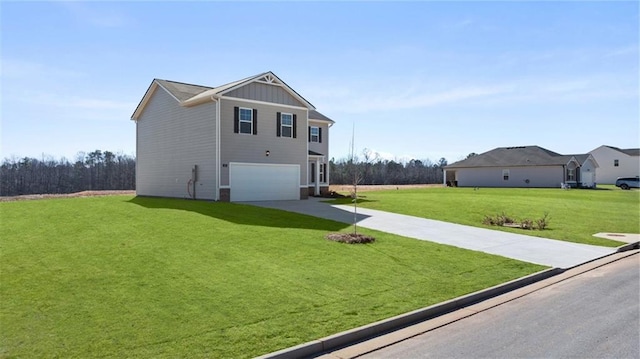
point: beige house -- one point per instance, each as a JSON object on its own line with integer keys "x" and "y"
{"x": 615, "y": 162}
{"x": 249, "y": 140}
{"x": 522, "y": 166}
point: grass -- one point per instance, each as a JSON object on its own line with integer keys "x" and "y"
{"x": 575, "y": 215}
{"x": 118, "y": 276}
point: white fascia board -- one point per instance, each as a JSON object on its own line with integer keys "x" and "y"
{"x": 322, "y": 121}
{"x": 206, "y": 96}
{"x": 264, "y": 103}
{"x": 280, "y": 83}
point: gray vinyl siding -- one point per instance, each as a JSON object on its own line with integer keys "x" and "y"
{"x": 539, "y": 176}
{"x": 170, "y": 141}
{"x": 320, "y": 147}
{"x": 238, "y": 147}
{"x": 266, "y": 93}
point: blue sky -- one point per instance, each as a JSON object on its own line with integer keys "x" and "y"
{"x": 420, "y": 80}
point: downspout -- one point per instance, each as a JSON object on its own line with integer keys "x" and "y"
{"x": 217, "y": 156}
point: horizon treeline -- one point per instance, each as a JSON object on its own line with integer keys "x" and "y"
{"x": 107, "y": 170}
{"x": 372, "y": 170}
{"x": 95, "y": 170}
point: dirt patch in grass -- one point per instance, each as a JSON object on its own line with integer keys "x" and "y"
{"x": 64, "y": 195}
{"x": 345, "y": 188}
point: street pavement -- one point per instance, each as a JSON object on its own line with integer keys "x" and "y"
{"x": 548, "y": 252}
{"x": 594, "y": 314}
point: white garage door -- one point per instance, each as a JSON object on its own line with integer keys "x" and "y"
{"x": 263, "y": 182}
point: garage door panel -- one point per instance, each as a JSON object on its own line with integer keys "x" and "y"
{"x": 262, "y": 182}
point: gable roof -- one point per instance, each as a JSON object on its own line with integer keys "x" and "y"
{"x": 181, "y": 91}
{"x": 192, "y": 95}
{"x": 315, "y": 115}
{"x": 519, "y": 156}
{"x": 627, "y": 151}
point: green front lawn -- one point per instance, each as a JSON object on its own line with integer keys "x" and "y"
{"x": 575, "y": 215}
{"x": 143, "y": 277}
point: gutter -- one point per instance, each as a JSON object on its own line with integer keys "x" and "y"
{"x": 217, "y": 100}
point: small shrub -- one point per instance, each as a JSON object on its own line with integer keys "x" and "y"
{"x": 505, "y": 221}
{"x": 543, "y": 222}
{"x": 489, "y": 221}
{"x": 526, "y": 224}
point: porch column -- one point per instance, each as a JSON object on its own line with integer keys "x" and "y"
{"x": 316, "y": 190}
{"x": 444, "y": 178}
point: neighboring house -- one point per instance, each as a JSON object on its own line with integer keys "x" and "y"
{"x": 249, "y": 140}
{"x": 523, "y": 166}
{"x": 615, "y": 162}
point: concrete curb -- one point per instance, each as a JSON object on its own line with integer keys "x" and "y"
{"x": 628, "y": 247}
{"x": 316, "y": 347}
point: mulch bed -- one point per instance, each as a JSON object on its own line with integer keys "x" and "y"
{"x": 350, "y": 238}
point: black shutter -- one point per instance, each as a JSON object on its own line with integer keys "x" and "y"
{"x": 324, "y": 172}
{"x": 309, "y": 133}
{"x": 313, "y": 172}
{"x": 320, "y": 134}
{"x": 236, "y": 119}
{"x": 295, "y": 126}
{"x": 255, "y": 121}
{"x": 278, "y": 124}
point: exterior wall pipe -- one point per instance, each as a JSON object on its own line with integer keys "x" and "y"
{"x": 217, "y": 99}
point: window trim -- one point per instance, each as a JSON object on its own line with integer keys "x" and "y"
{"x": 616, "y": 163}
{"x": 505, "y": 174}
{"x": 316, "y": 135}
{"x": 250, "y": 121}
{"x": 282, "y": 125}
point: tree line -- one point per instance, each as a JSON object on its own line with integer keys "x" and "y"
{"x": 106, "y": 170}
{"x": 372, "y": 170}
{"x": 95, "y": 170}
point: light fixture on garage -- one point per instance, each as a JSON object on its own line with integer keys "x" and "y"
{"x": 267, "y": 153}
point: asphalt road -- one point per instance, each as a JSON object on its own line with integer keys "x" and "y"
{"x": 593, "y": 315}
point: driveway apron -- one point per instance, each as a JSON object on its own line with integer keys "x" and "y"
{"x": 548, "y": 252}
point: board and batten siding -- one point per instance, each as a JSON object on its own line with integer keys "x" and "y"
{"x": 172, "y": 139}
{"x": 538, "y": 176}
{"x": 249, "y": 148}
{"x": 265, "y": 93}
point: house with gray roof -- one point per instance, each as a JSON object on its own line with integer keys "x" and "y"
{"x": 616, "y": 162}
{"x": 248, "y": 140}
{"x": 523, "y": 166}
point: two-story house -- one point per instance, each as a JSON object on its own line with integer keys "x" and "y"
{"x": 249, "y": 140}
{"x": 616, "y": 162}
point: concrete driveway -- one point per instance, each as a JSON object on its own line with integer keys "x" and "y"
{"x": 548, "y": 252}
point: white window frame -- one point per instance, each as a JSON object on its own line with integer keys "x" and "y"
{"x": 505, "y": 175}
{"x": 616, "y": 163}
{"x": 571, "y": 174}
{"x": 241, "y": 121}
{"x": 321, "y": 174}
{"x": 282, "y": 125}
{"x": 315, "y": 137}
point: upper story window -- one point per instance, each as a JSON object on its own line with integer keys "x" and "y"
{"x": 245, "y": 120}
{"x": 505, "y": 175}
{"x": 314, "y": 134}
{"x": 286, "y": 121}
{"x": 616, "y": 163}
{"x": 286, "y": 125}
